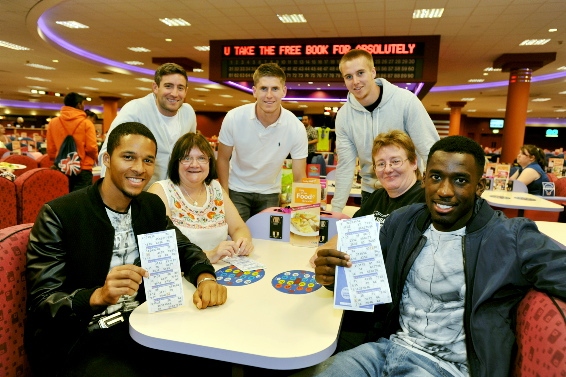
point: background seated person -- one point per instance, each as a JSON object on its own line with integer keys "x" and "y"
{"x": 532, "y": 161}
{"x": 83, "y": 265}
{"x": 395, "y": 165}
{"x": 197, "y": 204}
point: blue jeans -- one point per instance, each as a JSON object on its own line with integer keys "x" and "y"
{"x": 376, "y": 359}
{"x": 249, "y": 203}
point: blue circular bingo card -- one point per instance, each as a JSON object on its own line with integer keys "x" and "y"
{"x": 297, "y": 282}
{"x": 233, "y": 276}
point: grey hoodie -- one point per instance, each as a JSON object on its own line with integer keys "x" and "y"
{"x": 356, "y": 128}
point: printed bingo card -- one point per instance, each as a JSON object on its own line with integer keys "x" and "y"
{"x": 366, "y": 281}
{"x": 160, "y": 257}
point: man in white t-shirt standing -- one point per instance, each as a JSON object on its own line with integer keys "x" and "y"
{"x": 164, "y": 112}
{"x": 254, "y": 141}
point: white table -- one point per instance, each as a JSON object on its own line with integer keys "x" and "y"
{"x": 520, "y": 201}
{"x": 257, "y": 326}
{"x": 556, "y": 231}
{"x": 355, "y": 191}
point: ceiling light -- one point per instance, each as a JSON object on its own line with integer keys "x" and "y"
{"x": 501, "y": 109}
{"x": 552, "y": 30}
{"x": 218, "y": 104}
{"x": 560, "y": 110}
{"x": 197, "y": 100}
{"x": 174, "y": 22}
{"x": 34, "y": 91}
{"x": 100, "y": 79}
{"x": 226, "y": 95}
{"x": 476, "y": 80}
{"x": 12, "y": 46}
{"x": 72, "y": 24}
{"x": 144, "y": 79}
{"x": 292, "y": 18}
{"x": 55, "y": 61}
{"x": 245, "y": 100}
{"x": 168, "y": 40}
{"x": 89, "y": 88}
{"x": 540, "y": 99}
{"x": 447, "y": 109}
{"x": 138, "y": 49}
{"x": 471, "y": 110}
{"x": 202, "y": 48}
{"x": 143, "y": 88}
{"x": 302, "y": 106}
{"x": 428, "y": 13}
{"x": 563, "y": 68}
{"x": 198, "y": 70}
{"x": 37, "y": 79}
{"x": 133, "y": 62}
{"x": 469, "y": 99}
{"x": 41, "y": 91}
{"x": 39, "y": 66}
{"x": 57, "y": 94}
{"x": 486, "y": 74}
{"x": 564, "y": 92}
{"x": 534, "y": 42}
{"x": 126, "y": 95}
{"x": 491, "y": 69}
{"x": 202, "y": 89}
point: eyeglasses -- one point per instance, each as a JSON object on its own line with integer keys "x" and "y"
{"x": 397, "y": 163}
{"x": 202, "y": 160}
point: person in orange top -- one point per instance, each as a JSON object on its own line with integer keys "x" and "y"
{"x": 73, "y": 121}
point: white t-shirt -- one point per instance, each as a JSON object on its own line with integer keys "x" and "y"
{"x": 259, "y": 152}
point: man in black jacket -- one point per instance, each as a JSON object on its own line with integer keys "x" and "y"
{"x": 84, "y": 267}
{"x": 457, "y": 270}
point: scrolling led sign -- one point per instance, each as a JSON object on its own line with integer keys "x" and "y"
{"x": 399, "y": 59}
{"x": 394, "y": 61}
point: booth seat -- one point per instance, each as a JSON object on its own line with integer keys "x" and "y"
{"x": 13, "y": 244}
{"x": 8, "y": 203}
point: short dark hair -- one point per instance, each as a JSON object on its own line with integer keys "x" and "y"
{"x": 399, "y": 139}
{"x": 182, "y": 148}
{"x": 460, "y": 144}
{"x": 169, "y": 69}
{"x": 125, "y": 129}
{"x": 73, "y": 99}
{"x": 269, "y": 70}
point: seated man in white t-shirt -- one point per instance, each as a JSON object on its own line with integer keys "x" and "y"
{"x": 255, "y": 140}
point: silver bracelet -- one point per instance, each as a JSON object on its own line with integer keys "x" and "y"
{"x": 205, "y": 279}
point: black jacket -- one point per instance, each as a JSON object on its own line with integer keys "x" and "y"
{"x": 68, "y": 258}
{"x": 503, "y": 259}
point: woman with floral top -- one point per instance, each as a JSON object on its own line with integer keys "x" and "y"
{"x": 197, "y": 204}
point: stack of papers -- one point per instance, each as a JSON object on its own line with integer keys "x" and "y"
{"x": 365, "y": 284}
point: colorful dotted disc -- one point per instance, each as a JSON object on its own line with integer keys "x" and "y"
{"x": 232, "y": 276}
{"x": 297, "y": 282}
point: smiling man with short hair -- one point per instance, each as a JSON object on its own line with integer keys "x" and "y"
{"x": 163, "y": 111}
{"x": 457, "y": 270}
{"x": 254, "y": 141}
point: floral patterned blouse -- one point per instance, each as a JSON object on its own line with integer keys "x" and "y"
{"x": 205, "y": 226}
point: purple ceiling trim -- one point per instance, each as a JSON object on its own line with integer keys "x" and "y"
{"x": 79, "y": 51}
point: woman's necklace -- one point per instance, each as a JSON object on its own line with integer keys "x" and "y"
{"x": 195, "y": 203}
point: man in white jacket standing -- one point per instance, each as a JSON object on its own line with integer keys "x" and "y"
{"x": 374, "y": 105}
{"x": 163, "y": 112}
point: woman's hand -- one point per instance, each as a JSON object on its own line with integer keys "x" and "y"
{"x": 244, "y": 246}
{"x": 224, "y": 249}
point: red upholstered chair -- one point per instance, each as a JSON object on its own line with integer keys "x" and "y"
{"x": 552, "y": 177}
{"x": 8, "y": 206}
{"x": 560, "y": 187}
{"x": 541, "y": 336}
{"x": 13, "y": 244}
{"x": 44, "y": 162}
{"x": 3, "y": 151}
{"x": 35, "y": 188}
{"x": 29, "y": 162}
